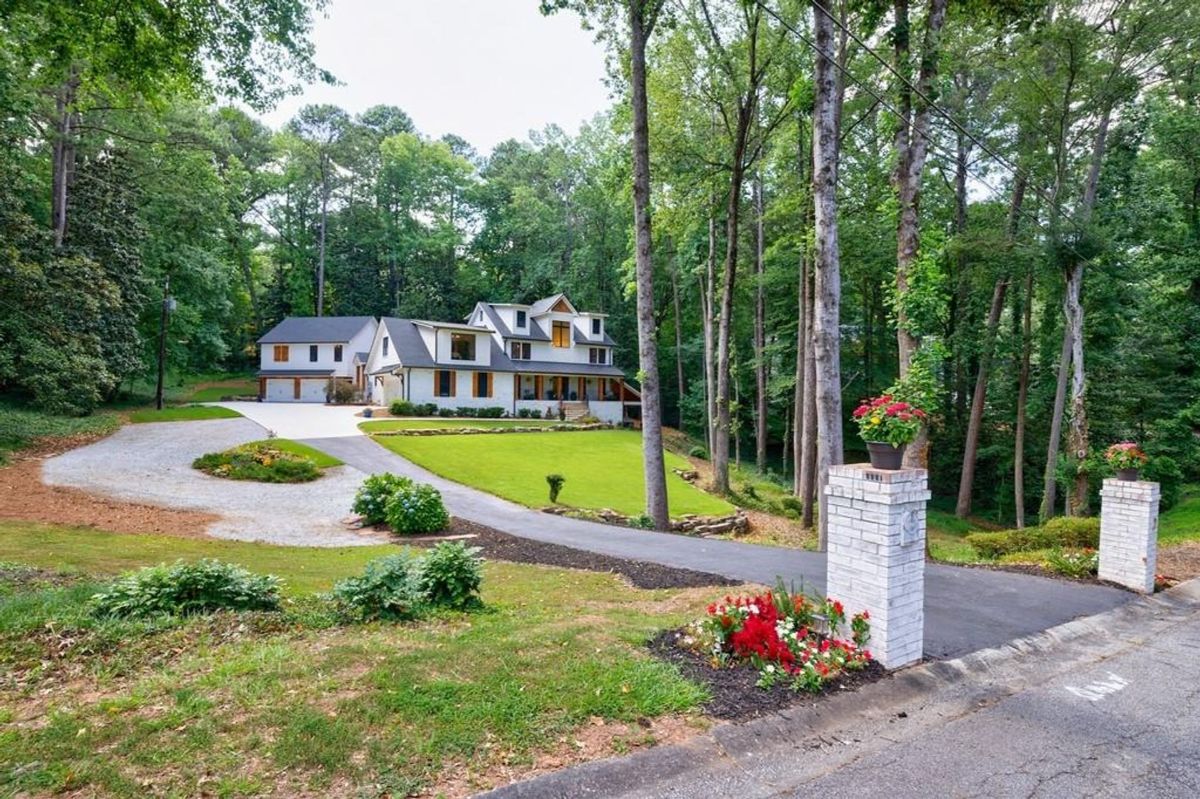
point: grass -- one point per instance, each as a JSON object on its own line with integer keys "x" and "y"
{"x": 603, "y": 468}
{"x": 271, "y": 460}
{"x": 181, "y": 413}
{"x": 21, "y": 425}
{"x": 385, "y": 425}
{"x": 319, "y": 459}
{"x": 1182, "y": 522}
{"x": 242, "y": 705}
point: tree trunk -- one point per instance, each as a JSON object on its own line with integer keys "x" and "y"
{"x": 827, "y": 288}
{"x": 62, "y": 166}
{"x": 652, "y": 447}
{"x": 1022, "y": 400}
{"x": 808, "y": 436}
{"x": 798, "y": 392}
{"x": 678, "y": 341}
{"x": 321, "y": 241}
{"x": 760, "y": 335}
{"x": 708, "y": 295}
{"x": 1050, "y": 486}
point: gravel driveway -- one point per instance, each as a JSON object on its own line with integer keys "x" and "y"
{"x": 151, "y": 464}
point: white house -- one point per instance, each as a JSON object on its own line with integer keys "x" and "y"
{"x": 545, "y": 356}
{"x": 299, "y": 356}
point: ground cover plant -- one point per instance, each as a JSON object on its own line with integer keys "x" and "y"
{"x": 269, "y": 461}
{"x": 22, "y": 425}
{"x": 185, "y": 588}
{"x": 290, "y": 703}
{"x": 402, "y": 587}
{"x": 182, "y": 413}
{"x": 785, "y": 636}
{"x": 602, "y": 467}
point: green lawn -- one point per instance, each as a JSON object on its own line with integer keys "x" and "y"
{"x": 603, "y": 468}
{"x": 296, "y": 705}
{"x": 1182, "y": 522}
{"x": 182, "y": 413}
{"x": 20, "y": 425}
{"x": 214, "y": 391}
{"x": 384, "y": 425}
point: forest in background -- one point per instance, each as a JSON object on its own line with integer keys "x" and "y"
{"x": 1055, "y": 148}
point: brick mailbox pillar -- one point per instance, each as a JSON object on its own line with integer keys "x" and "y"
{"x": 1129, "y": 533}
{"x": 876, "y": 555}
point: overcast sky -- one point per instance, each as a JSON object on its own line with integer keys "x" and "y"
{"x": 487, "y": 70}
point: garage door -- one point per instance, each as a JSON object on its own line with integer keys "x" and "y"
{"x": 283, "y": 389}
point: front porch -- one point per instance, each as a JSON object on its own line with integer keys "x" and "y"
{"x": 606, "y": 398}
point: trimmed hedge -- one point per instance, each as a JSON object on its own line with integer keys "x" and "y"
{"x": 1069, "y": 532}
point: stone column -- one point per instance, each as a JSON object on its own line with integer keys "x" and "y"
{"x": 1129, "y": 533}
{"x": 876, "y": 555}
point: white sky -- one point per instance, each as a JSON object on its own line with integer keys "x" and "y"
{"x": 487, "y": 70}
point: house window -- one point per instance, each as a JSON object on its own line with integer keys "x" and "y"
{"x": 519, "y": 350}
{"x": 595, "y": 327}
{"x": 385, "y": 346}
{"x": 483, "y": 384}
{"x": 337, "y": 353}
{"x": 520, "y": 319}
{"x": 462, "y": 346}
{"x": 597, "y": 355}
{"x": 562, "y": 334}
{"x": 444, "y": 382}
{"x": 314, "y": 352}
{"x": 281, "y": 353}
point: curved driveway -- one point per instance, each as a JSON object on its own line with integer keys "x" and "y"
{"x": 965, "y": 609}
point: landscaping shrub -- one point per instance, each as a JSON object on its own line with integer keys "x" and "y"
{"x": 643, "y": 522}
{"x": 258, "y": 461}
{"x": 536, "y": 413}
{"x": 450, "y": 574}
{"x": 1058, "y": 532}
{"x": 1077, "y": 563}
{"x": 493, "y": 412}
{"x": 341, "y": 392}
{"x": 790, "y": 505}
{"x": 185, "y": 589}
{"x": 445, "y": 413}
{"x": 427, "y": 409}
{"x": 466, "y": 412}
{"x": 523, "y": 413}
{"x": 555, "y": 482}
{"x": 388, "y": 589}
{"x": 402, "y": 408}
{"x": 416, "y": 508}
{"x": 372, "y": 497}
{"x": 698, "y": 452}
{"x": 588, "y": 419}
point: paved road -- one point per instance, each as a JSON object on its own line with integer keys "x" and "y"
{"x": 966, "y": 609}
{"x": 1108, "y": 708}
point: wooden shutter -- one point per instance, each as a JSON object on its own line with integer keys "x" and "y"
{"x": 474, "y": 385}
{"x": 537, "y": 387}
{"x": 490, "y": 384}
{"x": 453, "y": 383}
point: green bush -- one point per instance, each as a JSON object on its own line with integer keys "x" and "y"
{"x": 492, "y": 412}
{"x": 372, "y": 497}
{"x": 185, "y": 589}
{"x": 555, "y": 481}
{"x": 791, "y": 505}
{"x": 258, "y": 461}
{"x": 450, "y": 576}
{"x": 1077, "y": 563}
{"x": 402, "y": 408}
{"x": 426, "y": 409}
{"x": 388, "y": 589}
{"x": 416, "y": 508}
{"x": 445, "y": 413}
{"x": 1058, "y": 532}
{"x": 341, "y": 392}
{"x": 523, "y": 413}
{"x": 535, "y": 413}
{"x": 465, "y": 412}
{"x": 698, "y": 452}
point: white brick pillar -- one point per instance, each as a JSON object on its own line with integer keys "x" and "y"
{"x": 1129, "y": 533}
{"x": 876, "y": 555}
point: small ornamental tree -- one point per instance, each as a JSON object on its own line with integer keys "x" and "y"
{"x": 555, "y": 481}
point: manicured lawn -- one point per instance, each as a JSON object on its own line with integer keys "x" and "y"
{"x": 243, "y": 705}
{"x": 182, "y": 413}
{"x": 1182, "y": 522}
{"x": 214, "y": 391}
{"x": 384, "y": 425}
{"x": 320, "y": 459}
{"x": 603, "y": 468}
{"x": 21, "y": 424}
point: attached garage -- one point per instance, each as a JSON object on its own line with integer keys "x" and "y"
{"x": 293, "y": 387}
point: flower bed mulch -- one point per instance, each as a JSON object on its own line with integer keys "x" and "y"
{"x": 502, "y": 546}
{"x": 735, "y": 692}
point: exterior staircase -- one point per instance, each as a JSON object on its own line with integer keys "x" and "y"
{"x": 575, "y": 411}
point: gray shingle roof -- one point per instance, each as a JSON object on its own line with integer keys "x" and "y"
{"x": 535, "y": 331}
{"x": 546, "y": 303}
{"x": 314, "y": 329}
{"x": 581, "y": 338}
{"x": 407, "y": 342}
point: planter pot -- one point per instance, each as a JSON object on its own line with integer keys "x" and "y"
{"x": 885, "y": 456}
{"x": 1127, "y": 474}
{"x": 368, "y": 412}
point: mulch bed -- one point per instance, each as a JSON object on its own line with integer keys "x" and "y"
{"x": 496, "y": 545}
{"x": 735, "y": 695}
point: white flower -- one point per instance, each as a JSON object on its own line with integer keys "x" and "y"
{"x": 770, "y": 668}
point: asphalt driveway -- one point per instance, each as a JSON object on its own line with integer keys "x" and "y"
{"x": 965, "y": 609}
{"x": 152, "y": 464}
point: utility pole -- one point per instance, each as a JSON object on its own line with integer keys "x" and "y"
{"x": 168, "y": 305}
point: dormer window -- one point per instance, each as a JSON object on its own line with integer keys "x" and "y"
{"x": 521, "y": 319}
{"x": 462, "y": 346}
{"x": 595, "y": 327}
{"x": 562, "y": 334}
